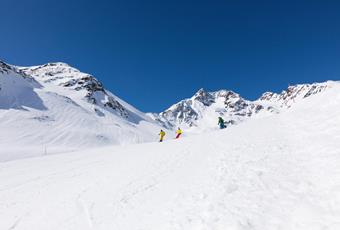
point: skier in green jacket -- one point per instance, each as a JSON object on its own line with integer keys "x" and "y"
{"x": 221, "y": 123}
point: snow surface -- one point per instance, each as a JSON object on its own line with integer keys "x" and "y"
{"x": 273, "y": 173}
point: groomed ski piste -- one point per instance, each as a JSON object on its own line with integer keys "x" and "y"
{"x": 276, "y": 173}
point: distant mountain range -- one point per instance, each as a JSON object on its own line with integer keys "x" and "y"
{"x": 200, "y": 112}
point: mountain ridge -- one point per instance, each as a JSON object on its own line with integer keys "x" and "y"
{"x": 83, "y": 113}
{"x": 232, "y": 106}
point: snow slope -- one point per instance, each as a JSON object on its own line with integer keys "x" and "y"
{"x": 56, "y": 108}
{"x": 276, "y": 173}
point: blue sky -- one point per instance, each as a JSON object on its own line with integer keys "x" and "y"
{"x": 154, "y": 53}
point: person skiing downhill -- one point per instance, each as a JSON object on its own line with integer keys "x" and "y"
{"x": 161, "y": 134}
{"x": 221, "y": 123}
{"x": 178, "y": 133}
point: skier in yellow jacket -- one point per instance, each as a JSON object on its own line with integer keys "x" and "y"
{"x": 161, "y": 134}
{"x": 179, "y": 133}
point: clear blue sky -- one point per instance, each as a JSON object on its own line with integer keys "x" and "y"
{"x": 154, "y": 53}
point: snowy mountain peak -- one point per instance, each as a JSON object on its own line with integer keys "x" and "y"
{"x": 56, "y": 72}
{"x": 204, "y": 97}
{"x": 63, "y": 75}
{"x": 57, "y": 64}
{"x": 226, "y": 94}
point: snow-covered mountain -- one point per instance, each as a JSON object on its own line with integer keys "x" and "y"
{"x": 200, "y": 112}
{"x": 278, "y": 170}
{"x": 57, "y": 107}
{"x": 273, "y": 173}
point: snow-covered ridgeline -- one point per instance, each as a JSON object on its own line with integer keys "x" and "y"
{"x": 200, "y": 112}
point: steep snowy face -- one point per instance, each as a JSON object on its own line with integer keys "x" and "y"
{"x": 61, "y": 74}
{"x": 9, "y": 69}
{"x": 294, "y": 94}
{"x": 4, "y": 68}
{"x": 201, "y": 111}
{"x": 17, "y": 89}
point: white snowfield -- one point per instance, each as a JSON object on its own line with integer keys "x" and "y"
{"x": 273, "y": 173}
